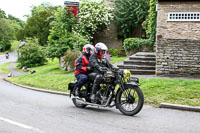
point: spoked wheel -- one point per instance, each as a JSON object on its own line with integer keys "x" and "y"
{"x": 77, "y": 101}
{"x": 130, "y": 101}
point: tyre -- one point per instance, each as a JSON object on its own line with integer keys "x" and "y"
{"x": 130, "y": 101}
{"x": 76, "y": 100}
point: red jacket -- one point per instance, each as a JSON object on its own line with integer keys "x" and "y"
{"x": 81, "y": 64}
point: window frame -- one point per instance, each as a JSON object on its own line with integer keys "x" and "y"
{"x": 184, "y": 16}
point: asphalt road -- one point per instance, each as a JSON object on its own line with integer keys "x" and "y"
{"x": 12, "y": 58}
{"x": 27, "y": 111}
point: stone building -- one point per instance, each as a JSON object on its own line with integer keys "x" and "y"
{"x": 178, "y": 37}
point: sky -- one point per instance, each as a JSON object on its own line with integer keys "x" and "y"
{"x": 19, "y": 8}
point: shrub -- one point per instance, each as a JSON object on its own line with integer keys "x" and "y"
{"x": 31, "y": 54}
{"x": 114, "y": 52}
{"x": 5, "y": 45}
{"x": 61, "y": 38}
{"x": 136, "y": 44}
{"x": 151, "y": 21}
{"x": 69, "y": 59}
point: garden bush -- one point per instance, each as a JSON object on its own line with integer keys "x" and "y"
{"x": 31, "y": 54}
{"x": 69, "y": 59}
{"x": 114, "y": 52}
{"x": 5, "y": 45}
{"x": 136, "y": 44}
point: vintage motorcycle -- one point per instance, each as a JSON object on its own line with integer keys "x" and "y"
{"x": 118, "y": 89}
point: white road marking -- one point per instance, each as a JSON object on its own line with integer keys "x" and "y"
{"x": 21, "y": 125}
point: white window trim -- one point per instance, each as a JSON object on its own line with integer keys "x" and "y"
{"x": 183, "y": 16}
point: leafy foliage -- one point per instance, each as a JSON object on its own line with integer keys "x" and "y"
{"x": 130, "y": 14}
{"x": 93, "y": 17}
{"x": 38, "y": 24}
{"x": 151, "y": 21}
{"x": 17, "y": 20}
{"x": 31, "y": 54}
{"x": 135, "y": 44}
{"x": 2, "y": 14}
{"x": 114, "y": 52}
{"x": 60, "y": 38}
{"x": 6, "y": 34}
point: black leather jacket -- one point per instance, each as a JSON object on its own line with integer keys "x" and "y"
{"x": 96, "y": 63}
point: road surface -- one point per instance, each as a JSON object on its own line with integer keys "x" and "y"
{"x": 28, "y": 111}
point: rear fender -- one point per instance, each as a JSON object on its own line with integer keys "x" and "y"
{"x": 71, "y": 86}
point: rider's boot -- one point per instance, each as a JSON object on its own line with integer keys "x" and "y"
{"x": 93, "y": 95}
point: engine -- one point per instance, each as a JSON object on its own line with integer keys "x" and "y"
{"x": 108, "y": 76}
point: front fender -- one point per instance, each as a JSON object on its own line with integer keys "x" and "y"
{"x": 131, "y": 84}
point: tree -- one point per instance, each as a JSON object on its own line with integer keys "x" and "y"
{"x": 93, "y": 17}
{"x": 38, "y": 24}
{"x": 31, "y": 54}
{"x": 6, "y": 34}
{"x": 130, "y": 14}
{"x": 61, "y": 39}
{"x": 2, "y": 14}
{"x": 17, "y": 20}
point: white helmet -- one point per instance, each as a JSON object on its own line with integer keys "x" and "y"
{"x": 100, "y": 46}
{"x": 87, "y": 48}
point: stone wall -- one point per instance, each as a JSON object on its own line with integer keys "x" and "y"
{"x": 178, "y": 56}
{"x": 177, "y": 30}
{"x": 109, "y": 37}
{"x": 178, "y": 43}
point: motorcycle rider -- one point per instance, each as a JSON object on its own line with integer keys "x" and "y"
{"x": 82, "y": 68}
{"x": 7, "y": 55}
{"x": 98, "y": 63}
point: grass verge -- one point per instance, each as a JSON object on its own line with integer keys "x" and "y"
{"x": 176, "y": 91}
{"x": 44, "y": 81}
{"x": 4, "y": 68}
{"x": 52, "y": 67}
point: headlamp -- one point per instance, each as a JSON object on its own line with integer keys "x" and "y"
{"x": 127, "y": 74}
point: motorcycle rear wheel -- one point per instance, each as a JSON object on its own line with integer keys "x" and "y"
{"x": 130, "y": 101}
{"x": 76, "y": 102}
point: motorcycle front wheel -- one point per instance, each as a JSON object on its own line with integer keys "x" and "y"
{"x": 130, "y": 101}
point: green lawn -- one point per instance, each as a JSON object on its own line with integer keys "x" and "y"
{"x": 115, "y": 59}
{"x": 4, "y": 68}
{"x": 14, "y": 45}
{"x": 52, "y": 67}
{"x": 44, "y": 81}
{"x": 177, "y": 91}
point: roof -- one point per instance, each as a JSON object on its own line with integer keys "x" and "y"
{"x": 177, "y": 0}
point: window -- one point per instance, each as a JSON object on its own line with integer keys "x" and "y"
{"x": 184, "y": 16}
